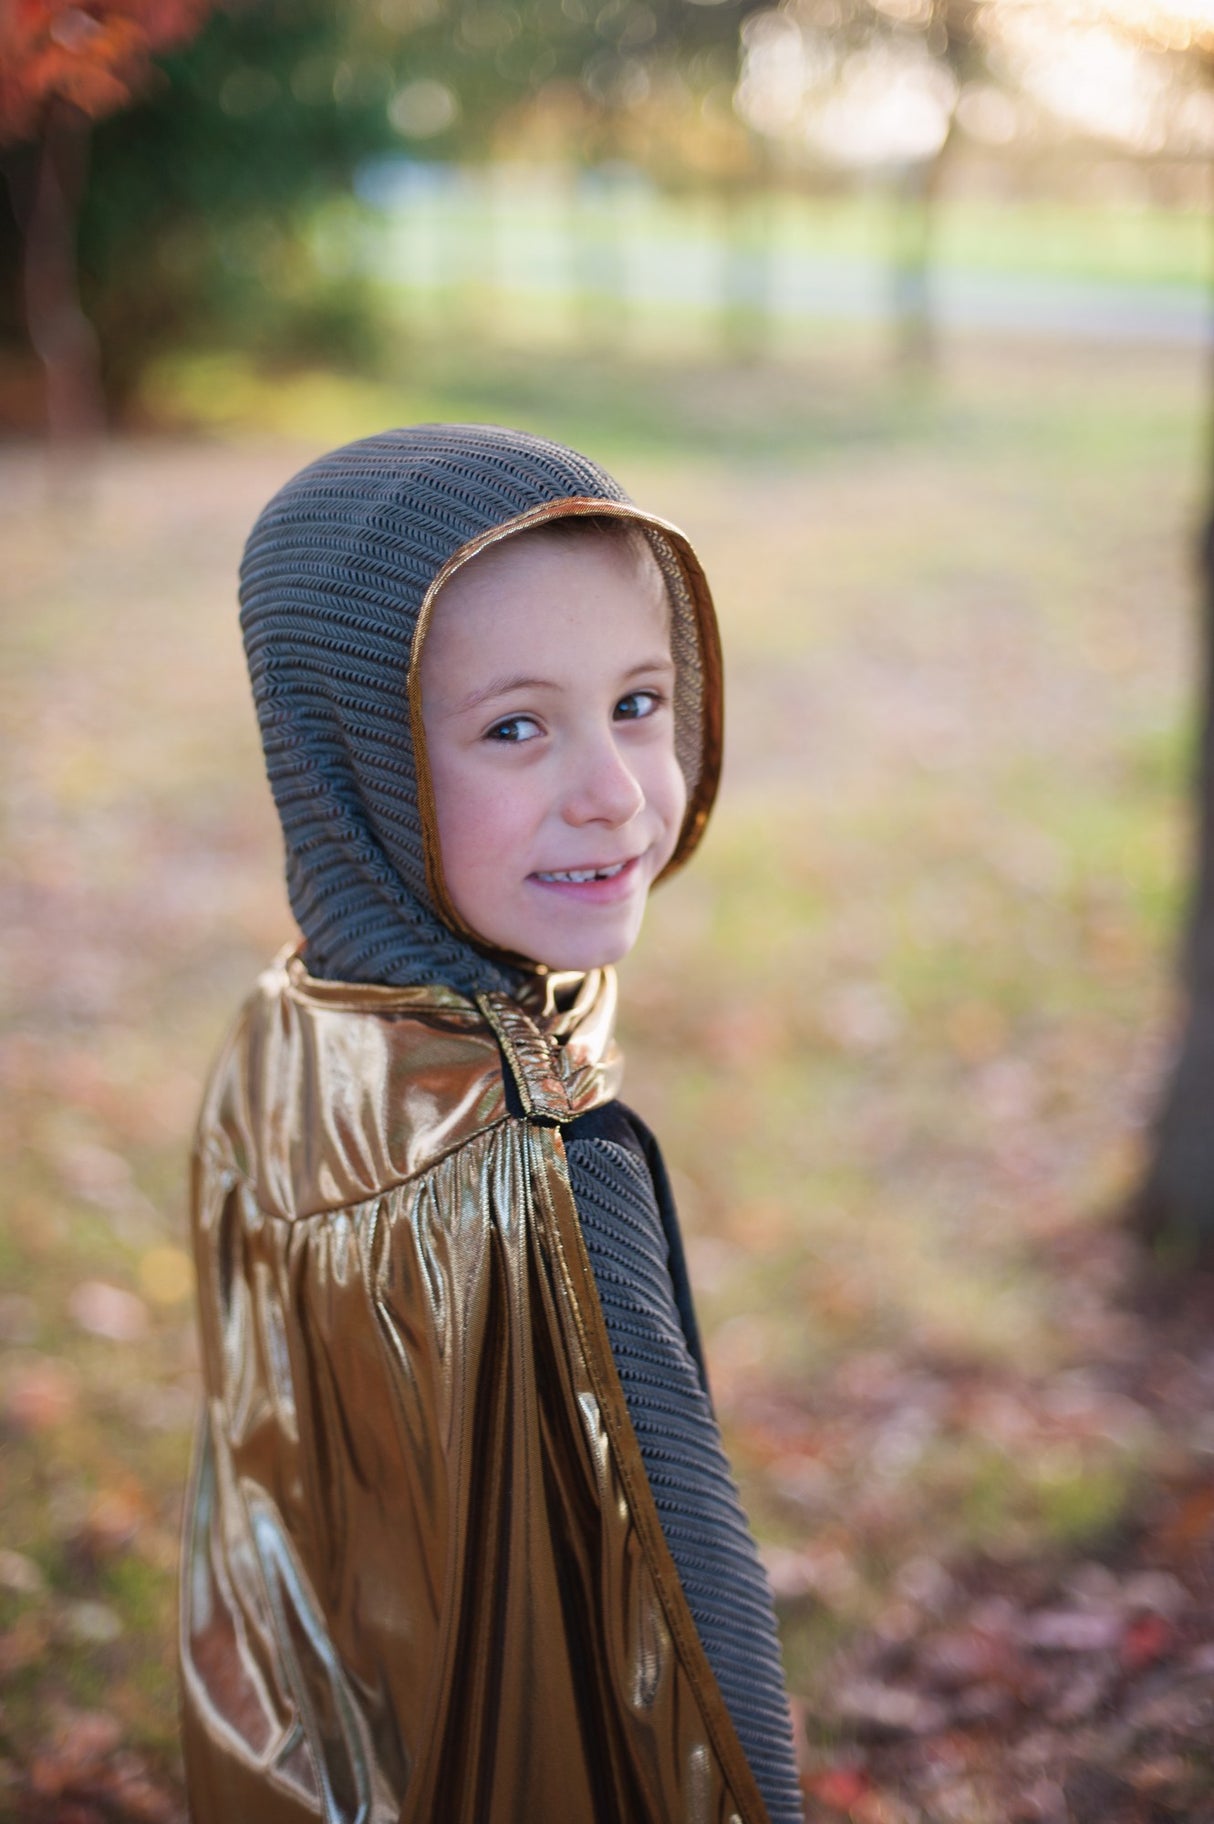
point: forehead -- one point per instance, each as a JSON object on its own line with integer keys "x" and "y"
{"x": 546, "y": 577}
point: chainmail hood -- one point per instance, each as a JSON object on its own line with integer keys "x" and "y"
{"x": 337, "y": 572}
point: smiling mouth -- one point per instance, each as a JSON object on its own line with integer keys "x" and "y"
{"x": 579, "y": 876}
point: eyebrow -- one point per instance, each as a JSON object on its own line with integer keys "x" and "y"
{"x": 504, "y": 686}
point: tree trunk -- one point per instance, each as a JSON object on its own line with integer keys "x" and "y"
{"x": 745, "y": 269}
{"x": 917, "y": 191}
{"x": 1174, "y": 1206}
{"x": 598, "y": 234}
{"x": 910, "y": 270}
{"x": 59, "y": 331}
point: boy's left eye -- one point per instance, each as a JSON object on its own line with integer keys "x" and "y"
{"x": 513, "y": 729}
{"x": 637, "y": 704}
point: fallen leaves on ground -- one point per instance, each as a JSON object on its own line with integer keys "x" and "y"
{"x": 898, "y": 1030}
{"x": 1061, "y": 1688}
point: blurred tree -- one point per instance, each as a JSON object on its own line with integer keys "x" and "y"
{"x": 873, "y": 86}
{"x": 1138, "y": 74}
{"x": 62, "y": 67}
{"x": 1174, "y": 1204}
{"x": 199, "y": 222}
{"x": 202, "y": 222}
{"x": 609, "y": 88}
{"x": 951, "y": 53}
{"x": 598, "y": 63}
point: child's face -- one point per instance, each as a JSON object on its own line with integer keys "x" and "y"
{"x": 547, "y": 698}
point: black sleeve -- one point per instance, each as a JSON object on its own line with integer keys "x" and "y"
{"x": 614, "y": 1121}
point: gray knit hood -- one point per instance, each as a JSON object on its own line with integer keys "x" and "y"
{"x": 339, "y": 574}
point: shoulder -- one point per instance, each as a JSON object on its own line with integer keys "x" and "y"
{"x": 328, "y": 1093}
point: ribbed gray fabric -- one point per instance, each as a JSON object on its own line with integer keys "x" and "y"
{"x": 333, "y": 578}
{"x": 697, "y": 1501}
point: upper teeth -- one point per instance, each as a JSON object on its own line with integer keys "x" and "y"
{"x": 580, "y": 874}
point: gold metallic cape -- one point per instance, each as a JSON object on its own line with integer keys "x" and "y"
{"x": 424, "y": 1578}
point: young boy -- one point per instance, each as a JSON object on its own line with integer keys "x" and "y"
{"x": 461, "y": 1541}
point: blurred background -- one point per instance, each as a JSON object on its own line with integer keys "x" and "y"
{"x": 901, "y": 308}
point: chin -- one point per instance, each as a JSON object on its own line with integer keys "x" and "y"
{"x": 584, "y": 951}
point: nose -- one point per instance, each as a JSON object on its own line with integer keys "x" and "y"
{"x": 601, "y": 787}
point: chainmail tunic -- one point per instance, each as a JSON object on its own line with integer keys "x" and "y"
{"x": 333, "y": 579}
{"x": 632, "y": 1239}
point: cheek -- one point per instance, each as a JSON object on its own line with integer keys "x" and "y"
{"x": 482, "y": 829}
{"x": 668, "y": 793}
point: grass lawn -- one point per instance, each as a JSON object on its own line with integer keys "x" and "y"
{"x": 899, "y": 1028}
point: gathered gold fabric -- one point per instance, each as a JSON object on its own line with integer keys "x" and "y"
{"x": 424, "y": 1578}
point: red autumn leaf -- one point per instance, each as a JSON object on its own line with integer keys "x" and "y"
{"x": 78, "y": 1748}
{"x": 94, "y": 57}
{"x": 840, "y": 1787}
{"x": 1146, "y": 1639}
{"x": 40, "y": 1394}
{"x": 1190, "y": 1524}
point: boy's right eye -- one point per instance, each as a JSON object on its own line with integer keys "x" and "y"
{"x": 513, "y": 729}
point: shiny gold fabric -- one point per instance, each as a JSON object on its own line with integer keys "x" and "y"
{"x": 424, "y": 1578}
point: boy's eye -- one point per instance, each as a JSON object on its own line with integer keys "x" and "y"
{"x": 513, "y": 729}
{"x": 636, "y": 704}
